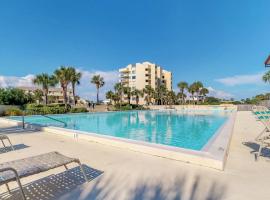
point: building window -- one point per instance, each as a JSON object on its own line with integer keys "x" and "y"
{"x": 146, "y": 81}
{"x": 133, "y": 77}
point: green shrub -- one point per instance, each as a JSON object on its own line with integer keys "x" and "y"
{"x": 14, "y": 96}
{"x": 38, "y": 109}
{"x": 138, "y": 107}
{"x": 78, "y": 110}
{"x": 13, "y": 112}
{"x": 128, "y": 107}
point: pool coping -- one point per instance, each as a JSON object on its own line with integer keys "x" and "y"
{"x": 213, "y": 154}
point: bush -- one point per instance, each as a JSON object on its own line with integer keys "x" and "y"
{"x": 13, "y": 112}
{"x": 14, "y": 96}
{"x": 38, "y": 109}
{"x": 138, "y": 107}
{"x": 128, "y": 107}
{"x": 78, "y": 110}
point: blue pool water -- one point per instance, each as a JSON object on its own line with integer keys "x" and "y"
{"x": 172, "y": 128}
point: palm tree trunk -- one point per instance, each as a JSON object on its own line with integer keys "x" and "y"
{"x": 46, "y": 96}
{"x": 73, "y": 93}
{"x": 97, "y": 94}
{"x": 65, "y": 95}
{"x": 182, "y": 97}
{"x": 184, "y": 102}
{"x": 46, "y": 99}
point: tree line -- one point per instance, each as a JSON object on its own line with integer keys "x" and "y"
{"x": 65, "y": 77}
{"x": 68, "y": 77}
{"x": 161, "y": 95}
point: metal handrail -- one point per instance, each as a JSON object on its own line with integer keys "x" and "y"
{"x": 55, "y": 119}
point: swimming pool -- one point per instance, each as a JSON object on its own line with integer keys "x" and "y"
{"x": 189, "y": 130}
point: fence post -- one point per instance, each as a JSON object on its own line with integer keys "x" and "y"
{"x": 23, "y": 124}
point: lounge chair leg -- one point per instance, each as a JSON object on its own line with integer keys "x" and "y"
{"x": 21, "y": 189}
{"x": 8, "y": 189}
{"x": 84, "y": 174}
{"x": 259, "y": 151}
{"x": 66, "y": 167}
{"x": 10, "y": 144}
{"x": 18, "y": 182}
{"x": 3, "y": 143}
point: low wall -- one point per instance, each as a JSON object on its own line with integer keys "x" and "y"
{"x": 194, "y": 107}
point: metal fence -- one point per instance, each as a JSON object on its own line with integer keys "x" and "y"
{"x": 265, "y": 103}
{"x": 244, "y": 107}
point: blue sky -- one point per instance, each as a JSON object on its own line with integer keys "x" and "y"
{"x": 221, "y": 43}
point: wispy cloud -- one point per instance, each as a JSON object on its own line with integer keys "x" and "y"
{"x": 86, "y": 89}
{"x": 219, "y": 93}
{"x": 15, "y": 81}
{"x": 242, "y": 79}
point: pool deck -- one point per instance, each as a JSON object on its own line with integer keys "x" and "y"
{"x": 124, "y": 174}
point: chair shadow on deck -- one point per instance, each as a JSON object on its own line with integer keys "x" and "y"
{"x": 16, "y": 130}
{"x": 255, "y": 149}
{"x": 16, "y": 147}
{"x": 53, "y": 186}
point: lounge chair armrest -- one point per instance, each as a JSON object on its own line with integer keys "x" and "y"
{"x": 10, "y": 169}
{"x": 17, "y": 177}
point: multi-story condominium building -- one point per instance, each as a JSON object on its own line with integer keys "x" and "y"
{"x": 139, "y": 75}
{"x": 55, "y": 95}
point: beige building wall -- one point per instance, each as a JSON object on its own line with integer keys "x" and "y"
{"x": 55, "y": 93}
{"x": 139, "y": 75}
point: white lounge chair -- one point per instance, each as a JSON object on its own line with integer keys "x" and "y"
{"x": 17, "y": 169}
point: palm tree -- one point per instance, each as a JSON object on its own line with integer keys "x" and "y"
{"x": 192, "y": 90}
{"x": 149, "y": 92}
{"x": 161, "y": 94}
{"x": 63, "y": 75}
{"x": 266, "y": 77}
{"x": 119, "y": 89}
{"x": 38, "y": 94}
{"x": 204, "y": 92}
{"x": 137, "y": 94}
{"x": 99, "y": 82}
{"x": 75, "y": 80}
{"x": 110, "y": 95}
{"x": 116, "y": 98}
{"x": 171, "y": 97}
{"x": 181, "y": 96}
{"x": 45, "y": 81}
{"x": 127, "y": 92}
{"x": 182, "y": 86}
{"x": 195, "y": 89}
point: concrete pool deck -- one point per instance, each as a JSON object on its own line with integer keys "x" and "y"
{"x": 124, "y": 174}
